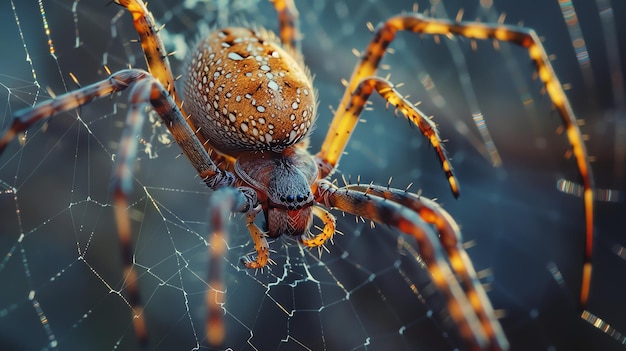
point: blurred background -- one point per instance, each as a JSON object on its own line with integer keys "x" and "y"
{"x": 60, "y": 270}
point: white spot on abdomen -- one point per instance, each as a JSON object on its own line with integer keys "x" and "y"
{"x": 272, "y": 85}
{"x": 234, "y": 56}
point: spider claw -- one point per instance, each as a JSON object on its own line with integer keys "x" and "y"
{"x": 251, "y": 264}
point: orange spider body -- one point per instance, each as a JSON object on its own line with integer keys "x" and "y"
{"x": 253, "y": 101}
{"x": 246, "y": 93}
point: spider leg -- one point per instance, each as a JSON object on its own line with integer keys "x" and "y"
{"x": 333, "y": 148}
{"x": 222, "y": 203}
{"x": 24, "y": 119}
{"x": 449, "y": 236}
{"x": 152, "y": 45}
{"x": 146, "y": 90}
{"x": 527, "y": 38}
{"x": 149, "y": 91}
{"x": 261, "y": 246}
{"x": 153, "y": 93}
{"x": 158, "y": 62}
{"x": 288, "y": 24}
{"x": 326, "y": 234}
{"x": 466, "y": 304}
{"x": 121, "y": 187}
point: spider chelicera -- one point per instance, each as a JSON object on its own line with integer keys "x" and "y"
{"x": 249, "y": 109}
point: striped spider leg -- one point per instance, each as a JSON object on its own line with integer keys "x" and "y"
{"x": 359, "y": 88}
{"x": 346, "y": 116}
{"x": 438, "y": 239}
{"x": 156, "y": 89}
{"x": 214, "y": 152}
{"x": 145, "y": 90}
{"x": 469, "y": 307}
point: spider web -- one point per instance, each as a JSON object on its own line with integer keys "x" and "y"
{"x": 60, "y": 270}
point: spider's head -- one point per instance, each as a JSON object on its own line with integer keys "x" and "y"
{"x": 283, "y": 184}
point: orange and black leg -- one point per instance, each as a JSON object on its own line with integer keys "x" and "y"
{"x": 288, "y": 27}
{"x": 347, "y": 119}
{"x": 337, "y": 138}
{"x": 467, "y": 303}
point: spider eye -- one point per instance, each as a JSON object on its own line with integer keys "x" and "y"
{"x": 300, "y": 198}
{"x": 290, "y": 198}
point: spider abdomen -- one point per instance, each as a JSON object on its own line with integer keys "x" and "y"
{"x": 246, "y": 93}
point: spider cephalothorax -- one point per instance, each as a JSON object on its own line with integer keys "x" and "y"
{"x": 283, "y": 185}
{"x": 248, "y": 112}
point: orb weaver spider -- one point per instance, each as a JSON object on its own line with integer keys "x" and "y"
{"x": 249, "y": 110}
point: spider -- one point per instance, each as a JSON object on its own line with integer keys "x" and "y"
{"x": 249, "y": 109}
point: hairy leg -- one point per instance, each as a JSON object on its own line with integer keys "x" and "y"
{"x": 450, "y": 238}
{"x": 261, "y": 246}
{"x": 144, "y": 93}
{"x": 337, "y": 140}
{"x": 527, "y": 38}
{"x": 470, "y": 310}
{"x": 288, "y": 24}
{"x": 222, "y": 204}
{"x": 327, "y": 233}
